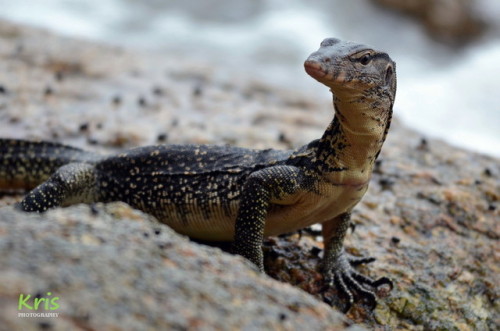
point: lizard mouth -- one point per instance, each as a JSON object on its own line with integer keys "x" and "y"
{"x": 314, "y": 69}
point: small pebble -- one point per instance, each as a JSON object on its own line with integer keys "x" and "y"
{"x": 19, "y": 48}
{"x": 197, "y": 90}
{"x": 117, "y": 100}
{"x": 59, "y": 76}
{"x": 45, "y": 325}
{"x": 162, "y": 137}
{"x": 141, "y": 101}
{"x": 48, "y": 91}
{"x": 395, "y": 240}
{"x": 423, "y": 145}
{"x": 386, "y": 183}
{"x": 84, "y": 127}
{"x": 282, "y": 138}
{"x": 92, "y": 141}
{"x": 93, "y": 210}
{"x": 157, "y": 91}
{"x": 135, "y": 73}
{"x": 84, "y": 316}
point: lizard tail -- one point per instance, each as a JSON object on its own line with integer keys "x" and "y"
{"x": 26, "y": 164}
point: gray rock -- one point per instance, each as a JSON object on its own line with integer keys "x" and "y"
{"x": 450, "y": 21}
{"x": 114, "y": 268}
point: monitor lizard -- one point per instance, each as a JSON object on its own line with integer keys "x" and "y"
{"x": 229, "y": 193}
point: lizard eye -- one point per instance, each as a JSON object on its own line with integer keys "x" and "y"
{"x": 365, "y": 59}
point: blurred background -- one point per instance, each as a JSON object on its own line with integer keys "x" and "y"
{"x": 447, "y": 51}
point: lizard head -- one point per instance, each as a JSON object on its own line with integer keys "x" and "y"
{"x": 349, "y": 67}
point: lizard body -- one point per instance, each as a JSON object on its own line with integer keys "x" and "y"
{"x": 231, "y": 193}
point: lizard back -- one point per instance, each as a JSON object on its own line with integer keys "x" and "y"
{"x": 189, "y": 187}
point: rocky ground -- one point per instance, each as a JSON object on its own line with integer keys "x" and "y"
{"x": 431, "y": 216}
{"x": 451, "y": 21}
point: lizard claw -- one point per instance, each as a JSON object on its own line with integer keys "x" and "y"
{"x": 351, "y": 283}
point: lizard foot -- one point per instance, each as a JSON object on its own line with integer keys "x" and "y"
{"x": 349, "y": 281}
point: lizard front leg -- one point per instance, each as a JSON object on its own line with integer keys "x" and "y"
{"x": 338, "y": 268}
{"x": 263, "y": 187}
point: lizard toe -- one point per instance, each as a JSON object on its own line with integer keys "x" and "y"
{"x": 360, "y": 289}
{"x": 355, "y": 261}
{"x": 373, "y": 283}
{"x": 351, "y": 284}
{"x": 384, "y": 281}
{"x": 345, "y": 290}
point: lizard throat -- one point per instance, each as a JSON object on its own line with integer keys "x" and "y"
{"x": 354, "y": 138}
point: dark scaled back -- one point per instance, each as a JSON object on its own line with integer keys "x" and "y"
{"x": 192, "y": 159}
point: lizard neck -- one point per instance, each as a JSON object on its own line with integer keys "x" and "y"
{"x": 352, "y": 141}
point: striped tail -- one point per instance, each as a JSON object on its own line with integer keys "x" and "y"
{"x": 26, "y": 164}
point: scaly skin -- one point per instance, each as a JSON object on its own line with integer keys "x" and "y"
{"x": 231, "y": 193}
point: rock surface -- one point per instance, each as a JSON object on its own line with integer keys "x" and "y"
{"x": 452, "y": 21}
{"x": 431, "y": 216}
{"x": 115, "y": 268}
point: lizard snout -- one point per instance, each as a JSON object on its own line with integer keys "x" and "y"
{"x": 314, "y": 68}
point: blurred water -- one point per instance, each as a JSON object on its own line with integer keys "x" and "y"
{"x": 443, "y": 92}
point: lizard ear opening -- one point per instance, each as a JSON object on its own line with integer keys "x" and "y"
{"x": 389, "y": 73}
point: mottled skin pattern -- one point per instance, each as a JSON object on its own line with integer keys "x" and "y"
{"x": 231, "y": 193}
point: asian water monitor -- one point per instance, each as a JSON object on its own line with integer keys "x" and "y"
{"x": 231, "y": 193}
